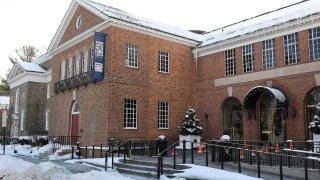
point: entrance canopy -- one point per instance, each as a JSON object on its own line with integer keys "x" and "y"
{"x": 253, "y": 95}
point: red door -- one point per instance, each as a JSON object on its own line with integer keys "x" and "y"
{"x": 74, "y": 127}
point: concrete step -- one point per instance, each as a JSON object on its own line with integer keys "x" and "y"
{"x": 153, "y": 164}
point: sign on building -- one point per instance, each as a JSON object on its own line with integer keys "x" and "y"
{"x": 4, "y": 118}
{"x": 99, "y": 56}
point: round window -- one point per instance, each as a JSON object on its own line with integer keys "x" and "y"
{"x": 79, "y": 21}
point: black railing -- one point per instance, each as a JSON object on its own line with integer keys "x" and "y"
{"x": 73, "y": 82}
{"x": 63, "y": 141}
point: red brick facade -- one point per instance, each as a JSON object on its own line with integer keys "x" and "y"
{"x": 190, "y": 81}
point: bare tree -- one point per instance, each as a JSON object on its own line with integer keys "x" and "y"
{"x": 25, "y": 53}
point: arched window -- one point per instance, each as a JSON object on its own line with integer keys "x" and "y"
{"x": 313, "y": 98}
{"x": 17, "y": 102}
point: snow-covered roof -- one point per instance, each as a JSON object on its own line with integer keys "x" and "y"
{"x": 145, "y": 22}
{"x": 31, "y": 66}
{"x": 277, "y": 17}
{"x": 4, "y": 99}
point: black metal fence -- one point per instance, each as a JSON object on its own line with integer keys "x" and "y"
{"x": 63, "y": 141}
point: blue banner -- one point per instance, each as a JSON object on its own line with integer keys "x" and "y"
{"x": 99, "y": 56}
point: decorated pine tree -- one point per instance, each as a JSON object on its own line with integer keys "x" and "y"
{"x": 314, "y": 126}
{"x": 190, "y": 124}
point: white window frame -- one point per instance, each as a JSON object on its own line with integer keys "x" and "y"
{"x": 130, "y": 113}
{"x": 248, "y": 58}
{"x": 268, "y": 54}
{"x": 163, "y": 115}
{"x": 77, "y": 64}
{"x": 132, "y": 55}
{"x": 69, "y": 70}
{"x": 91, "y": 60}
{"x": 48, "y": 91}
{"x": 85, "y": 60}
{"x": 63, "y": 70}
{"x": 230, "y": 62}
{"x": 291, "y": 49}
{"x": 22, "y": 117}
{"x": 47, "y": 120}
{"x": 314, "y": 44}
{"x": 17, "y": 101}
{"x": 163, "y": 62}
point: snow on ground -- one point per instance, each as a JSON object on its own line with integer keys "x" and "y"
{"x": 12, "y": 168}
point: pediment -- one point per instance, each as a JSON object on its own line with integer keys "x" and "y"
{"x": 79, "y": 17}
{"x": 15, "y": 71}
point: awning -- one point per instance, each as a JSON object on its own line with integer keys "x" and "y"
{"x": 253, "y": 95}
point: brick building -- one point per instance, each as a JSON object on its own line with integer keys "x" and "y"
{"x": 29, "y": 99}
{"x": 255, "y": 79}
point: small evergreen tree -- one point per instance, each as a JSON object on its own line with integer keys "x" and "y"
{"x": 314, "y": 126}
{"x": 190, "y": 124}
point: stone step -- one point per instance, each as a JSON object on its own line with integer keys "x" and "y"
{"x": 153, "y": 164}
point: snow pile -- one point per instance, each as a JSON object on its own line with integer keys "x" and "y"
{"x": 225, "y": 138}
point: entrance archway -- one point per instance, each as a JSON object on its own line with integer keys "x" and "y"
{"x": 74, "y": 122}
{"x": 232, "y": 118}
{"x": 312, "y": 99}
{"x": 269, "y": 106}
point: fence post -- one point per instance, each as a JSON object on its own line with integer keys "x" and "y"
{"x": 174, "y": 157}
{"x": 72, "y": 151}
{"x": 221, "y": 156}
{"x": 258, "y": 162}
{"x": 239, "y": 161}
{"x": 305, "y": 168}
{"x": 150, "y": 148}
{"x": 280, "y": 165}
{"x": 101, "y": 151}
{"x": 191, "y": 152}
{"x": 92, "y": 151}
{"x": 184, "y": 152}
{"x": 158, "y": 168}
{"x": 207, "y": 155}
{"x": 250, "y": 155}
{"x": 106, "y": 163}
{"x": 78, "y": 150}
{"x": 112, "y": 159}
{"x": 86, "y": 152}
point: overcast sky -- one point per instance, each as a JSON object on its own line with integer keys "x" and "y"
{"x": 34, "y": 22}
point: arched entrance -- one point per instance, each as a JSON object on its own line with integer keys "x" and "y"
{"x": 74, "y": 122}
{"x": 269, "y": 107}
{"x": 232, "y": 118}
{"x": 312, "y": 99}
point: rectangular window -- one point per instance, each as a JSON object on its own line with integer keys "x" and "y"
{"x": 84, "y": 60}
{"x": 130, "y": 113}
{"x": 268, "y": 54}
{"x": 62, "y": 70}
{"x": 91, "y": 60}
{"x": 230, "y": 62}
{"x": 48, "y": 91}
{"x": 69, "y": 70}
{"x": 163, "y": 62}
{"x": 132, "y": 55}
{"x": 163, "y": 115}
{"x": 291, "y": 49}
{"x": 47, "y": 121}
{"x": 22, "y": 121}
{"x": 248, "y": 58}
{"x": 314, "y": 43}
{"x": 77, "y": 64}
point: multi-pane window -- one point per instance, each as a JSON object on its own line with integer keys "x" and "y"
{"x": 22, "y": 121}
{"x": 291, "y": 49}
{"x": 230, "y": 62}
{"x": 248, "y": 58}
{"x": 69, "y": 70}
{"x": 268, "y": 54}
{"x": 47, "y": 121}
{"x": 48, "y": 91}
{"x": 314, "y": 43}
{"x": 163, "y": 62}
{"x": 17, "y": 102}
{"x": 84, "y": 60}
{"x": 62, "y": 70}
{"x": 132, "y": 55}
{"x": 77, "y": 64}
{"x": 163, "y": 115}
{"x": 91, "y": 60}
{"x": 130, "y": 113}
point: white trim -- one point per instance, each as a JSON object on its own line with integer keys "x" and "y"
{"x": 46, "y": 127}
{"x": 22, "y": 117}
{"x": 264, "y": 34}
{"x": 30, "y": 77}
{"x": 269, "y": 74}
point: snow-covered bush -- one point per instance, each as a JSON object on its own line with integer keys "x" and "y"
{"x": 314, "y": 126}
{"x": 190, "y": 124}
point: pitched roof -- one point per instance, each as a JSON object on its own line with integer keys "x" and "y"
{"x": 31, "y": 67}
{"x": 273, "y": 18}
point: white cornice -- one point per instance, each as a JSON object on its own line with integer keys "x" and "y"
{"x": 264, "y": 34}
{"x": 30, "y": 77}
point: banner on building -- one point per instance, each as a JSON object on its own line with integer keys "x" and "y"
{"x": 99, "y": 56}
